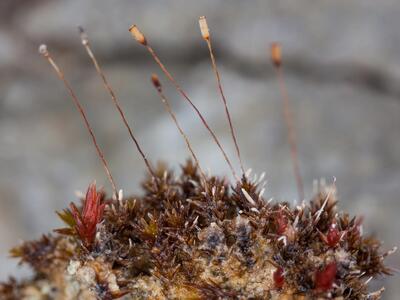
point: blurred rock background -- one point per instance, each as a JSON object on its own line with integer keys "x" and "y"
{"x": 342, "y": 64}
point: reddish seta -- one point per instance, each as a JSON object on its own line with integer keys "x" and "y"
{"x": 278, "y": 277}
{"x": 91, "y": 215}
{"x": 325, "y": 278}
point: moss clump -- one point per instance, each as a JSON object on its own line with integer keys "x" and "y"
{"x": 189, "y": 239}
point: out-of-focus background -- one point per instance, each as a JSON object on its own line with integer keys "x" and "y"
{"x": 342, "y": 67}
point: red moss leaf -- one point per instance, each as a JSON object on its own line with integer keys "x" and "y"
{"x": 91, "y": 215}
{"x": 281, "y": 223}
{"x": 325, "y": 278}
{"x": 278, "y": 277}
{"x": 333, "y": 235}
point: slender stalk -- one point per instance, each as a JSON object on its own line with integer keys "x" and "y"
{"x": 141, "y": 39}
{"x": 158, "y": 86}
{"x": 43, "y": 50}
{"x": 107, "y": 86}
{"x": 206, "y": 36}
{"x": 276, "y": 56}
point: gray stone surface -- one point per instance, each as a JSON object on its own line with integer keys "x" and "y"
{"x": 342, "y": 73}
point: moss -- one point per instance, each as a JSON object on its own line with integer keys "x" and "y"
{"x": 187, "y": 240}
{"x": 193, "y": 236}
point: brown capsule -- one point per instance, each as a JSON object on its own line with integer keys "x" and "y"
{"x": 205, "y": 32}
{"x": 276, "y": 54}
{"x": 156, "y": 82}
{"x": 138, "y": 35}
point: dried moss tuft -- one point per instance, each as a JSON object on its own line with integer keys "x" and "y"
{"x": 188, "y": 240}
